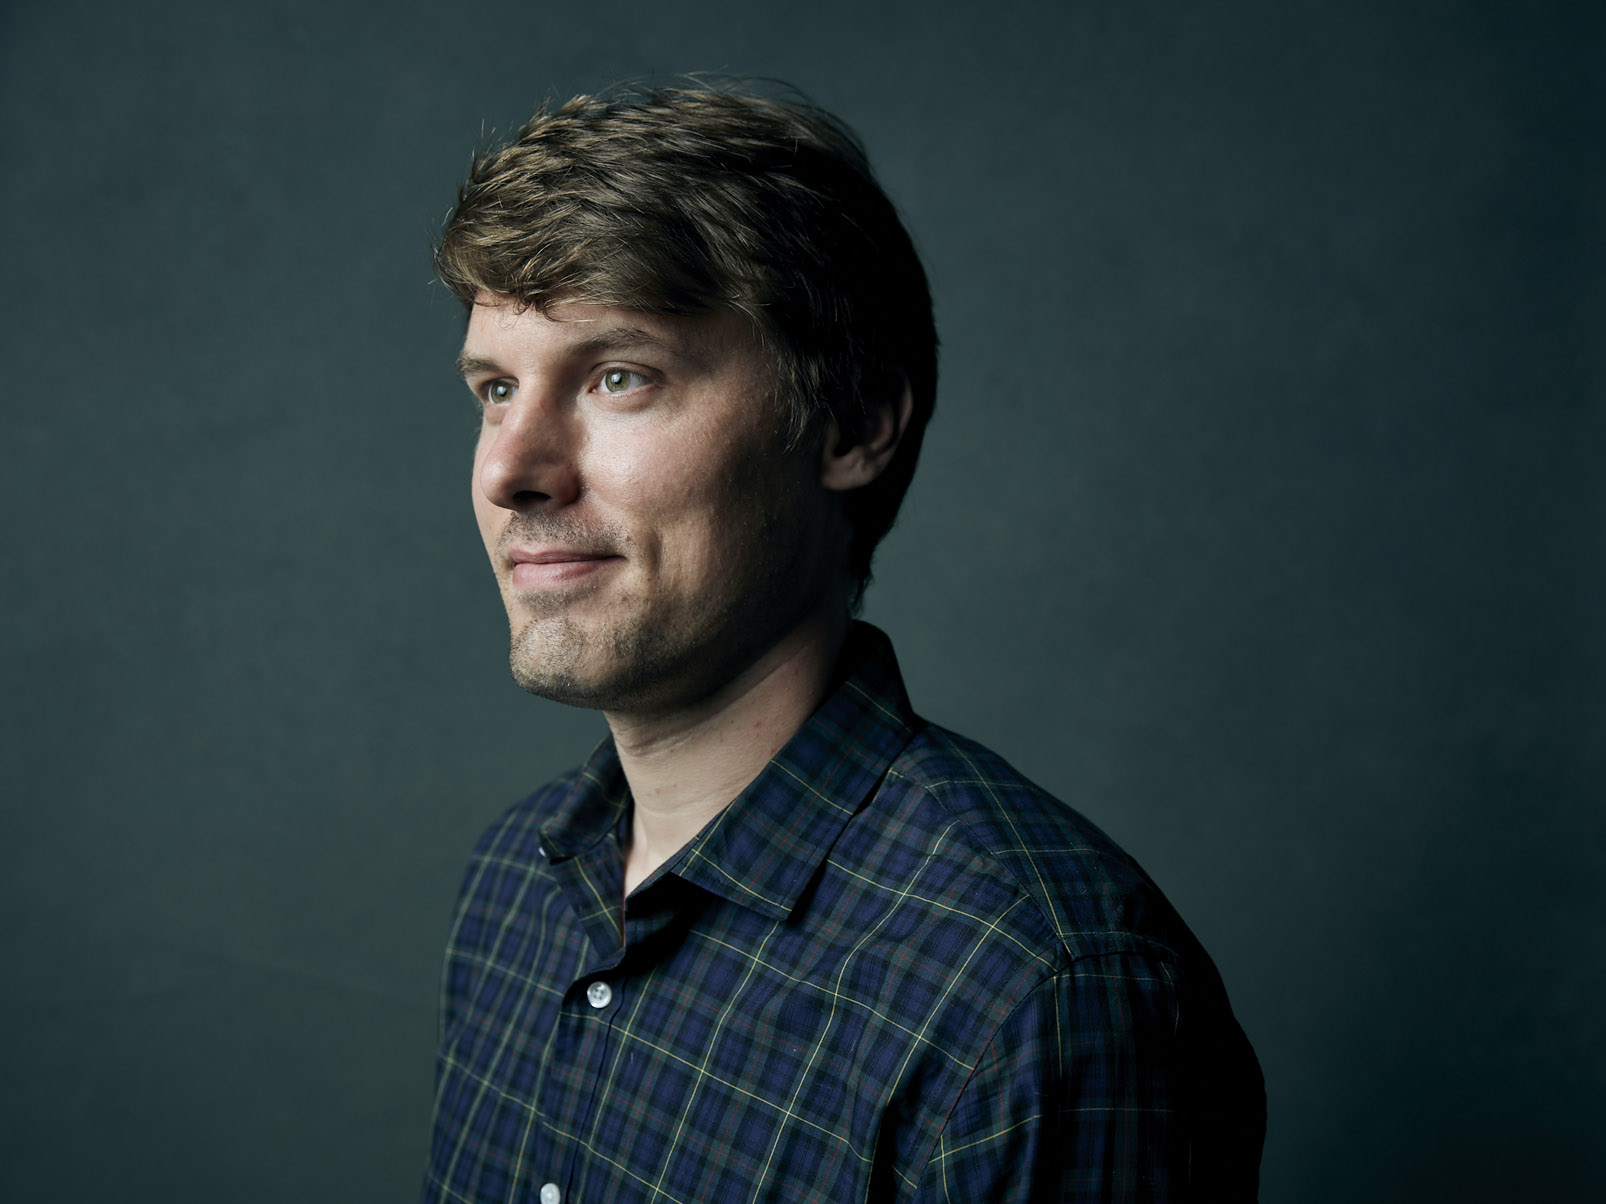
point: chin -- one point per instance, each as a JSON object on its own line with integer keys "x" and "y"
{"x": 606, "y": 668}
{"x": 554, "y": 657}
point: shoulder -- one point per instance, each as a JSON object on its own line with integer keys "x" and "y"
{"x": 1097, "y": 1042}
{"x": 1081, "y": 891}
{"x": 1117, "y": 971}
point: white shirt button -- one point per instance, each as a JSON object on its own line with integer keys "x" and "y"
{"x": 601, "y": 995}
{"x": 550, "y": 1194}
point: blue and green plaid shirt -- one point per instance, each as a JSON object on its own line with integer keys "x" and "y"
{"x": 891, "y": 970}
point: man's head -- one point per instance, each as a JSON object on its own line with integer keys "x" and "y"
{"x": 686, "y": 202}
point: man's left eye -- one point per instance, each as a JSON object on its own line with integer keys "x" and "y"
{"x": 621, "y": 380}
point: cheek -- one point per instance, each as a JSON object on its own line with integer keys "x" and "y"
{"x": 656, "y": 482}
{"x": 695, "y": 520}
{"x": 622, "y": 478}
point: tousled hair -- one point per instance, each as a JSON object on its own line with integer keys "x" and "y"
{"x": 686, "y": 200}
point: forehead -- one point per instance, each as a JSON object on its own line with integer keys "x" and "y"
{"x": 500, "y": 328}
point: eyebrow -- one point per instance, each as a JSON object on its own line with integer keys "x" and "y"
{"x": 612, "y": 340}
{"x": 473, "y": 365}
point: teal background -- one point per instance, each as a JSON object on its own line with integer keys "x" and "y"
{"x": 1261, "y": 520}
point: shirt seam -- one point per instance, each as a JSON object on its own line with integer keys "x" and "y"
{"x": 1127, "y": 940}
{"x": 981, "y": 1056}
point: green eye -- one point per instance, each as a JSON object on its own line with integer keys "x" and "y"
{"x": 499, "y": 392}
{"x": 621, "y": 380}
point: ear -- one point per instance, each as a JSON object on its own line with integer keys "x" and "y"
{"x": 851, "y": 459}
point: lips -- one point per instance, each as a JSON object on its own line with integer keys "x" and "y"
{"x": 555, "y": 555}
{"x": 545, "y": 567}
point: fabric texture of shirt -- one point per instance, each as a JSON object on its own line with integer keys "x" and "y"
{"x": 891, "y": 970}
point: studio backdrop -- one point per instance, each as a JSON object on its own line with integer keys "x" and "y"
{"x": 1261, "y": 520}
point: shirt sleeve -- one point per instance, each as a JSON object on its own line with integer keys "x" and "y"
{"x": 1084, "y": 1093}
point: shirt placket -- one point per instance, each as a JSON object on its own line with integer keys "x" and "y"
{"x": 602, "y": 997}
{"x": 591, "y": 881}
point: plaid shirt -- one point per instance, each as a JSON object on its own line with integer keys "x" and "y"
{"x": 891, "y": 969}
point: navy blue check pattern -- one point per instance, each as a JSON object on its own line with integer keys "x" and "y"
{"x": 891, "y": 970}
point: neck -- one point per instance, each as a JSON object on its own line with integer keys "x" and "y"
{"x": 684, "y": 767}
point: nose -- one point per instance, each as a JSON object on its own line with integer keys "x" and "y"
{"x": 527, "y": 460}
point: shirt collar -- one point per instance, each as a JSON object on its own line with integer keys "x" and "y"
{"x": 762, "y": 850}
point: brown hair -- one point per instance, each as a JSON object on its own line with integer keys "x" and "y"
{"x": 684, "y": 200}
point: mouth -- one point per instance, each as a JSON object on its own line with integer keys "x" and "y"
{"x": 536, "y": 569}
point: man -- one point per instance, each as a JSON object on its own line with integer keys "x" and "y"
{"x": 779, "y": 938}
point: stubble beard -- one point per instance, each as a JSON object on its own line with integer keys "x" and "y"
{"x": 631, "y": 660}
{"x": 554, "y": 656}
{"x": 635, "y": 662}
